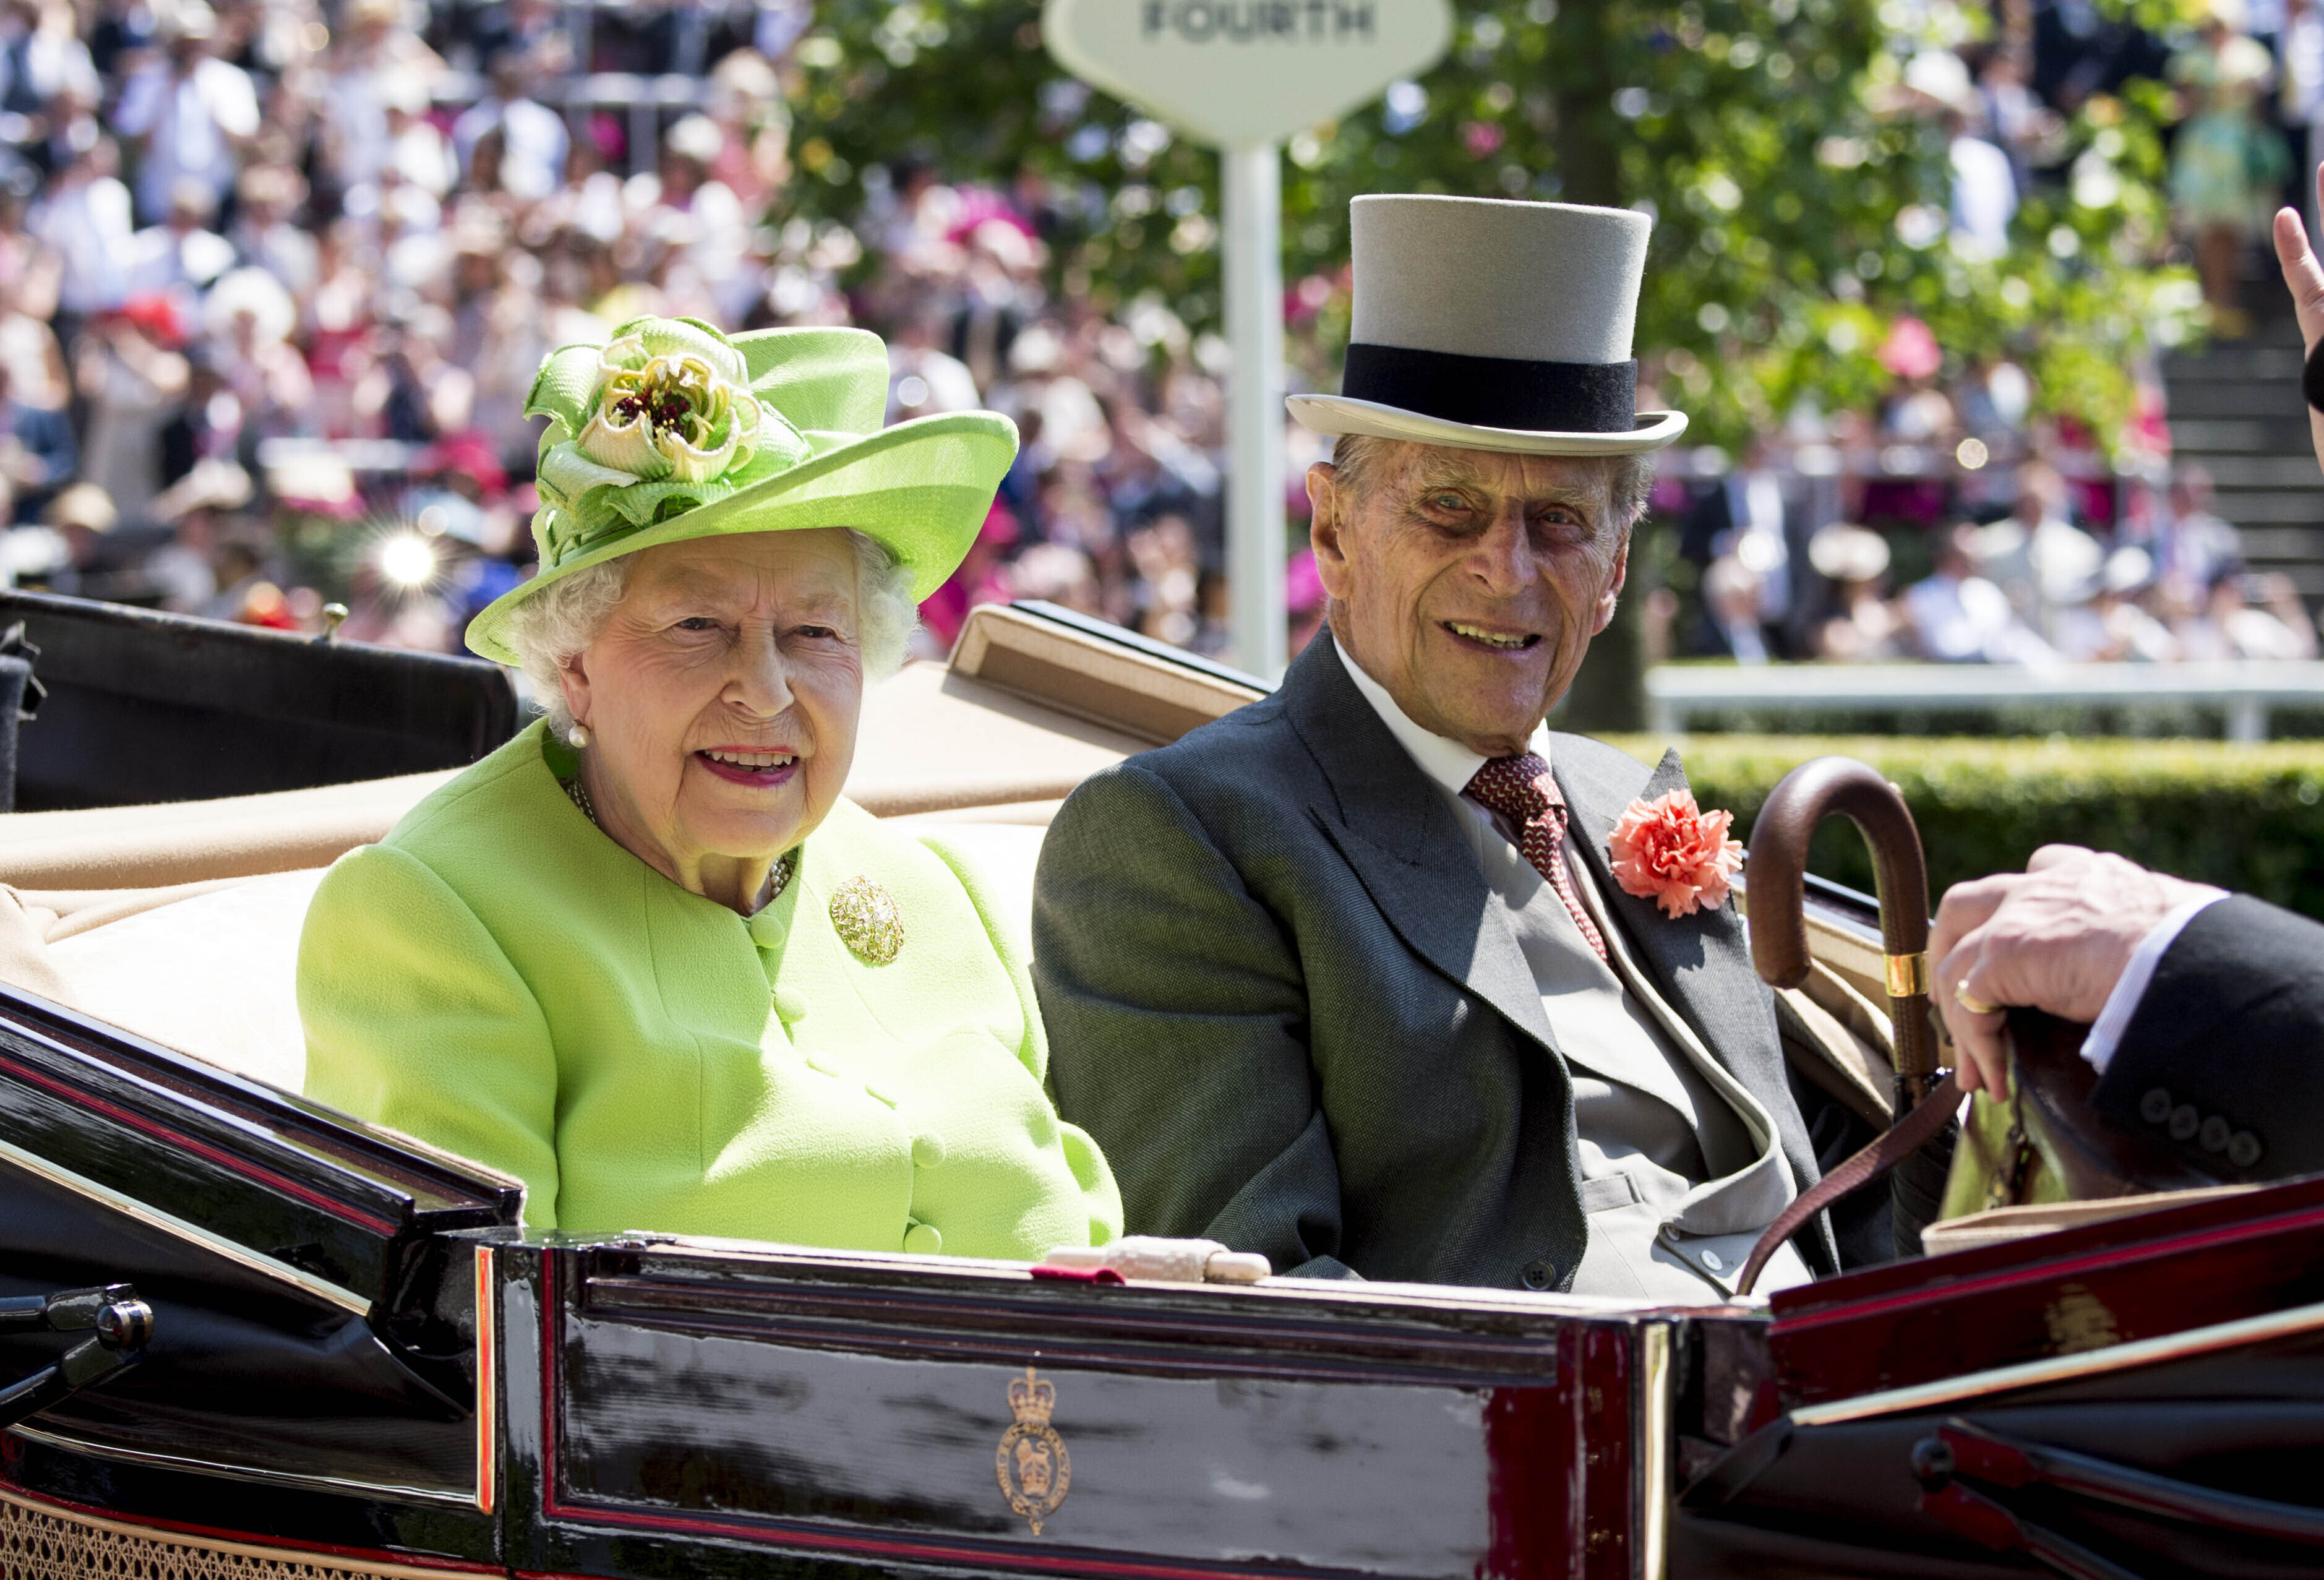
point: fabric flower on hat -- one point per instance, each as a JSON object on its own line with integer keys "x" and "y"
{"x": 659, "y": 421}
{"x": 1671, "y": 852}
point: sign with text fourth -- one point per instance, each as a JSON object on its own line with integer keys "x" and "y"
{"x": 1238, "y": 72}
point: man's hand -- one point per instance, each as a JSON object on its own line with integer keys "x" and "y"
{"x": 2054, "y": 937}
{"x": 2303, "y": 276}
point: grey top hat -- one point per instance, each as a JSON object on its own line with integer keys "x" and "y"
{"x": 1489, "y": 325}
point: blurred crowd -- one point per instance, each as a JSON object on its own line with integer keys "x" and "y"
{"x": 275, "y": 276}
{"x": 1955, "y": 521}
{"x": 2247, "y": 102}
{"x": 2039, "y": 583}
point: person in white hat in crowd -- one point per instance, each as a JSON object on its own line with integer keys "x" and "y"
{"x": 706, "y": 230}
{"x": 248, "y": 317}
{"x": 1865, "y": 627}
{"x": 2034, "y": 554}
{"x": 375, "y": 64}
{"x": 183, "y": 573}
{"x": 2231, "y": 626}
{"x": 191, "y": 114}
{"x": 1957, "y": 617}
{"x": 182, "y": 255}
{"x": 1985, "y": 187}
{"x": 1377, "y": 976}
{"x": 533, "y": 138}
{"x": 414, "y": 149}
{"x": 264, "y": 235}
{"x": 85, "y": 217}
{"x": 68, "y": 550}
{"x": 2111, "y": 627}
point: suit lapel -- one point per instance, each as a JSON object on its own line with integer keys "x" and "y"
{"x": 1700, "y": 963}
{"x": 1393, "y": 828}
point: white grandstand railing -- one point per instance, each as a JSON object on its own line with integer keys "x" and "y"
{"x": 2245, "y": 692}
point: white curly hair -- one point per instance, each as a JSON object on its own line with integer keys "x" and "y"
{"x": 548, "y": 630}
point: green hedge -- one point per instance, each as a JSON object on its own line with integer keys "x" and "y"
{"x": 2249, "y": 819}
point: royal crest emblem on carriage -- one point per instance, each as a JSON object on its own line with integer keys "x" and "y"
{"x": 1034, "y": 1469}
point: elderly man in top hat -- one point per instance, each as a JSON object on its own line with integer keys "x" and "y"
{"x": 1363, "y": 976}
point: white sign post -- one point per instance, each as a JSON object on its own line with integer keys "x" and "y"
{"x": 1243, "y": 75}
{"x": 1251, "y": 180}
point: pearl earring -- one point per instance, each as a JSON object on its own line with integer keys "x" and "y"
{"x": 579, "y": 735}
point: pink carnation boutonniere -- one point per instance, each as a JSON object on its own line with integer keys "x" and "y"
{"x": 1672, "y": 852}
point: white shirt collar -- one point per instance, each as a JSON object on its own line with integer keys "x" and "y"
{"x": 1448, "y": 763}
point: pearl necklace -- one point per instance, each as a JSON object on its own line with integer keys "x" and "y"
{"x": 778, "y": 880}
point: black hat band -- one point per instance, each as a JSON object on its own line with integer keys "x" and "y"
{"x": 1497, "y": 392}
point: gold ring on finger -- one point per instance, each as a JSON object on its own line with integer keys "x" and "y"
{"x": 1971, "y": 1002}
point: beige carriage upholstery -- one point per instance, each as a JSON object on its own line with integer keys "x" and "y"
{"x": 180, "y": 922}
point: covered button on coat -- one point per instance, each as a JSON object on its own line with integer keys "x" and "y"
{"x": 499, "y": 978}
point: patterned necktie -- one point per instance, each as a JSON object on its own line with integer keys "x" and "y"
{"x": 1521, "y": 790}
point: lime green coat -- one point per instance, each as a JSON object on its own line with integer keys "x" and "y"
{"x": 499, "y": 978}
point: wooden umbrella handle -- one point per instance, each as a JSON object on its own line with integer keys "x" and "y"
{"x": 1778, "y": 875}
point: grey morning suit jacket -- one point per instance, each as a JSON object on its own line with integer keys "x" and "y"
{"x": 1273, "y": 995}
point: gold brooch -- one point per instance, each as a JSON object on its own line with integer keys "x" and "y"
{"x": 1036, "y": 1473}
{"x": 866, "y": 921}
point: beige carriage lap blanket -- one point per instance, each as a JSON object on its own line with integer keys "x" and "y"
{"x": 209, "y": 969}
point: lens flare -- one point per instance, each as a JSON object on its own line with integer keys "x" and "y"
{"x": 408, "y": 559}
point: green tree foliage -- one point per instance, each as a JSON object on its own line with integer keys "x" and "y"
{"x": 1800, "y": 203}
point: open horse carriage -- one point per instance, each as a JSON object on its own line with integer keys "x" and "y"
{"x": 241, "y": 1334}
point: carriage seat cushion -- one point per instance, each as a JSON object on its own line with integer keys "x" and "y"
{"x": 215, "y": 975}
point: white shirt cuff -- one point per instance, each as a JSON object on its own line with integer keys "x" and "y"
{"x": 2122, "y": 1004}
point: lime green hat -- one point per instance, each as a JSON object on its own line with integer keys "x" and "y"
{"x": 674, "y": 431}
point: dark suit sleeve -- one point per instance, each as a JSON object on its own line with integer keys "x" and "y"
{"x": 2224, "y": 1060}
{"x": 1709, "y": 517}
{"x": 1177, "y": 1013}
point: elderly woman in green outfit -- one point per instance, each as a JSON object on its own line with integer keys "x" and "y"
{"x": 645, "y": 957}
